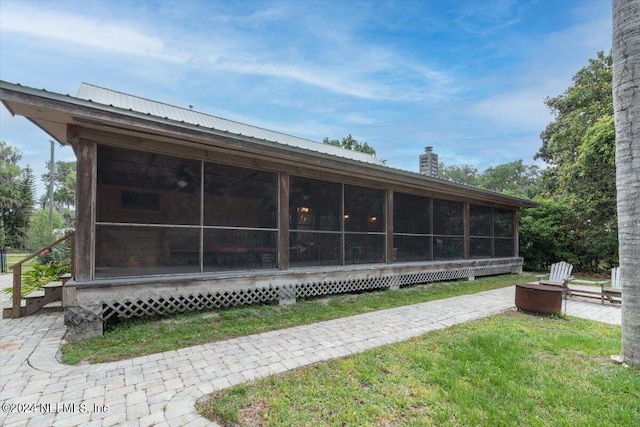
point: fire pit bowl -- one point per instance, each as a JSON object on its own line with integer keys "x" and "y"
{"x": 537, "y": 298}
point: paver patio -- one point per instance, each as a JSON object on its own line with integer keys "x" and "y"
{"x": 161, "y": 389}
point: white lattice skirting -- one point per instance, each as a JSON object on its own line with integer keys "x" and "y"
{"x": 99, "y": 301}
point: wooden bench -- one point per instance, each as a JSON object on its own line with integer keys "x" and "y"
{"x": 586, "y": 293}
{"x": 614, "y": 293}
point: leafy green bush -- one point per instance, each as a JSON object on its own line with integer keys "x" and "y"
{"x": 41, "y": 232}
{"x": 40, "y": 275}
{"x": 544, "y": 235}
{"x": 59, "y": 256}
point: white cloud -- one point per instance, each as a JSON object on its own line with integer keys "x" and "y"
{"x": 341, "y": 65}
{"x": 394, "y": 80}
{"x": 263, "y": 16}
{"x": 94, "y": 33}
{"x": 383, "y": 72}
{"x": 483, "y": 18}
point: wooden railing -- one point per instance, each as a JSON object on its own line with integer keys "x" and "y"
{"x": 17, "y": 271}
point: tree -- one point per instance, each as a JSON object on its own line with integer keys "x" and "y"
{"x": 626, "y": 98}
{"x": 64, "y": 183}
{"x": 9, "y": 189}
{"x": 350, "y": 143}
{"x": 465, "y": 174}
{"x": 576, "y": 110}
{"x": 515, "y": 178}
{"x": 16, "y": 220}
{"x": 579, "y": 148}
{"x": 593, "y": 194}
{"x": 9, "y": 173}
{"x": 595, "y": 167}
{"x": 40, "y": 232}
{"x": 64, "y": 195}
{"x": 545, "y": 236}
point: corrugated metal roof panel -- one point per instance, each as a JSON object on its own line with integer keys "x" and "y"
{"x": 141, "y": 105}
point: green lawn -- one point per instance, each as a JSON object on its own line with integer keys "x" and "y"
{"x": 14, "y": 258}
{"x": 507, "y": 370}
{"x": 144, "y": 336}
{"x": 26, "y": 267}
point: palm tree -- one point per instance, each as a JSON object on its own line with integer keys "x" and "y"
{"x": 626, "y": 102}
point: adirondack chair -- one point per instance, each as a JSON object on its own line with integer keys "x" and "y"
{"x": 559, "y": 275}
{"x": 614, "y": 293}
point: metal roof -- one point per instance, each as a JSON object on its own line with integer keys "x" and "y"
{"x": 125, "y": 101}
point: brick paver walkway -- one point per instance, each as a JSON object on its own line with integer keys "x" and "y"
{"x": 161, "y": 389}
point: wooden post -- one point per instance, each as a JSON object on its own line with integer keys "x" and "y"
{"x": 516, "y": 234}
{"x": 17, "y": 291}
{"x": 86, "y": 154}
{"x": 389, "y": 236}
{"x": 493, "y": 232}
{"x": 72, "y": 241}
{"x": 466, "y": 221}
{"x": 283, "y": 221}
{"x": 52, "y": 172}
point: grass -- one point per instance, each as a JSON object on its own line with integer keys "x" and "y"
{"x": 510, "y": 369}
{"x": 138, "y": 337}
{"x": 14, "y": 258}
{"x": 31, "y": 280}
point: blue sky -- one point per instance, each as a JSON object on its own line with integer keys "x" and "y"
{"x": 466, "y": 77}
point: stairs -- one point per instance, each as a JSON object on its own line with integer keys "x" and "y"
{"x": 35, "y": 300}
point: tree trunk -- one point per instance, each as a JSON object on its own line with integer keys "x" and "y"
{"x": 626, "y": 102}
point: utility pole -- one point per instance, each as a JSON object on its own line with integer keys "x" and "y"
{"x": 52, "y": 170}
